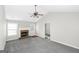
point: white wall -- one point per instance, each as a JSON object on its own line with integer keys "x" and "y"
{"x": 64, "y": 28}
{"x": 28, "y": 26}
{"x": 47, "y": 28}
{"x": 22, "y": 25}
{"x": 40, "y": 25}
{"x": 2, "y": 28}
{"x": 40, "y": 28}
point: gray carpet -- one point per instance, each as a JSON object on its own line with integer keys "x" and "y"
{"x": 37, "y": 45}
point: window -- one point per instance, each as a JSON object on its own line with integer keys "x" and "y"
{"x": 12, "y": 29}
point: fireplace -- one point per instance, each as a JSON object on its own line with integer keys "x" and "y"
{"x": 24, "y": 33}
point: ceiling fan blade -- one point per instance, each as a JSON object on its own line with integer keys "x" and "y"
{"x": 40, "y": 14}
{"x": 31, "y": 16}
{"x": 37, "y": 16}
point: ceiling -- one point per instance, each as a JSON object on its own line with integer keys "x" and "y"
{"x": 23, "y": 12}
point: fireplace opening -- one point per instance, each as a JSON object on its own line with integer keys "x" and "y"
{"x": 24, "y": 33}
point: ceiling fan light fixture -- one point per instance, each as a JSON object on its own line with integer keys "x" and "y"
{"x": 36, "y": 14}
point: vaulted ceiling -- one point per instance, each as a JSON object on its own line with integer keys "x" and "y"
{"x": 23, "y": 12}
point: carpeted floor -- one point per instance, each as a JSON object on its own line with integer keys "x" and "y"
{"x": 37, "y": 45}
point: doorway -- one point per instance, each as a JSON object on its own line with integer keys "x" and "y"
{"x": 47, "y": 30}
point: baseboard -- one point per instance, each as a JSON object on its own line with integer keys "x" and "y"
{"x": 15, "y": 38}
{"x": 66, "y": 44}
{"x": 41, "y": 37}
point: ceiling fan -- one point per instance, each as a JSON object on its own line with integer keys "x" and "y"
{"x": 36, "y": 14}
